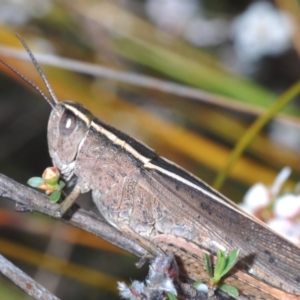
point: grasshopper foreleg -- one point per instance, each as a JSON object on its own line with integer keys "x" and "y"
{"x": 63, "y": 207}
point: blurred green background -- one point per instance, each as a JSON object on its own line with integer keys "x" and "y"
{"x": 225, "y": 48}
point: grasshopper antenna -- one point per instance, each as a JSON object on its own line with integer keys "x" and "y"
{"x": 53, "y": 101}
{"x": 37, "y": 66}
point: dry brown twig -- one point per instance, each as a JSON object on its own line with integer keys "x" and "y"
{"x": 80, "y": 218}
{"x": 22, "y": 280}
{"x": 35, "y": 201}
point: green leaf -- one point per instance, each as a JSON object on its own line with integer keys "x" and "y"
{"x": 230, "y": 261}
{"x": 229, "y": 289}
{"x": 208, "y": 265}
{"x": 56, "y": 187}
{"x": 55, "y": 196}
{"x": 220, "y": 265}
{"x": 171, "y": 296}
{"x": 35, "y": 181}
{"x": 61, "y": 184}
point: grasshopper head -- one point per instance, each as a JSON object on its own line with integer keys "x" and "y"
{"x": 67, "y": 127}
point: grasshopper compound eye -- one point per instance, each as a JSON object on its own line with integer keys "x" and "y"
{"x": 68, "y": 123}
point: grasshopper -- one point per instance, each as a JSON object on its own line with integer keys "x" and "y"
{"x": 163, "y": 207}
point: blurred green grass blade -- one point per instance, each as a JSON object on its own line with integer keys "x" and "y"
{"x": 196, "y": 74}
{"x": 229, "y": 129}
{"x": 253, "y": 131}
{"x": 144, "y": 44}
